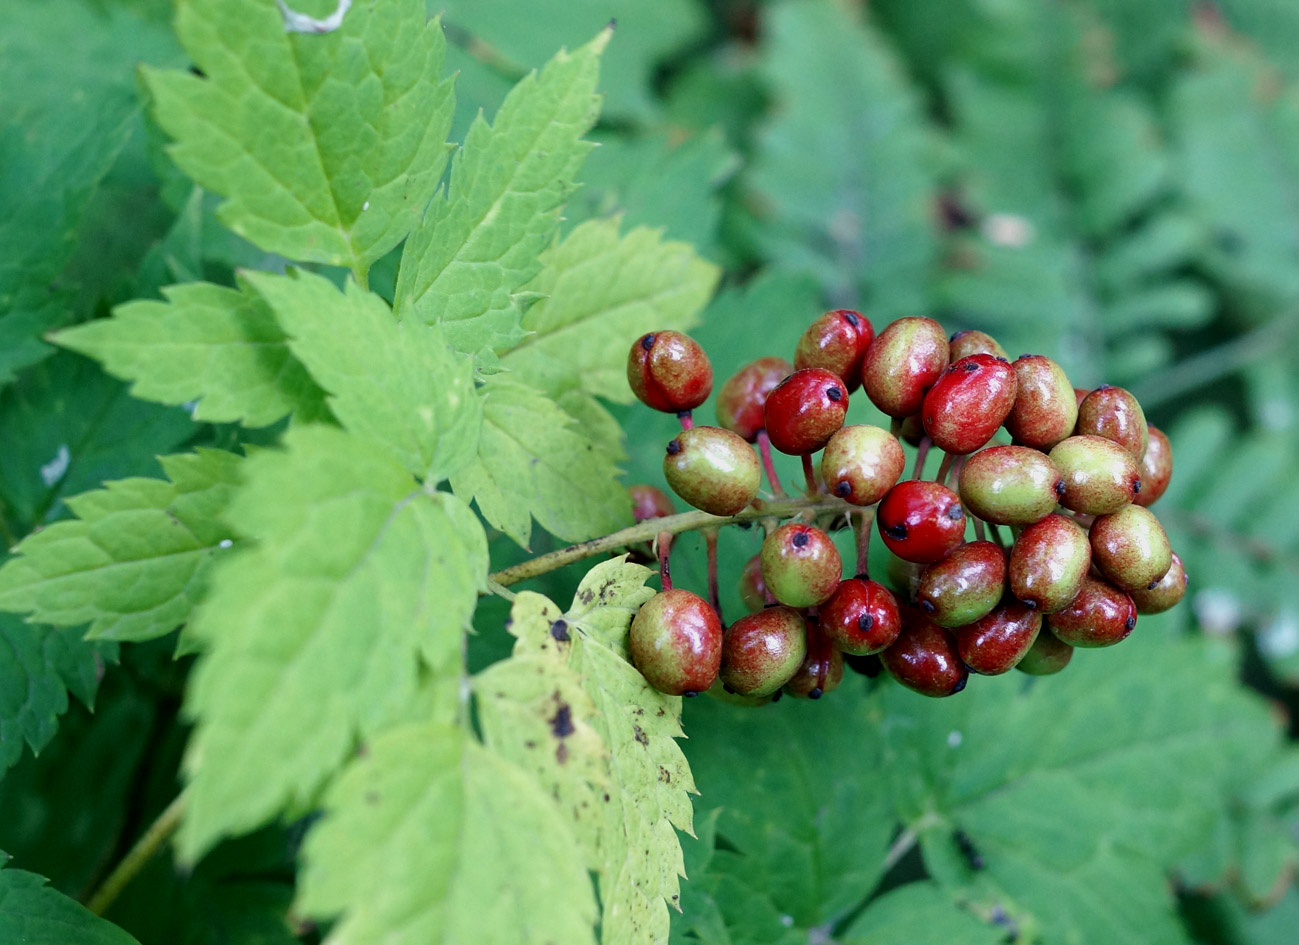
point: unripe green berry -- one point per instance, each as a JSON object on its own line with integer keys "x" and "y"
{"x": 800, "y": 565}
{"x": 712, "y": 469}
{"x": 1114, "y": 413}
{"x": 762, "y": 651}
{"x": 1010, "y": 485}
{"x": 1130, "y": 548}
{"x": 1045, "y": 409}
{"x": 964, "y": 586}
{"x": 1048, "y": 563}
{"x": 676, "y": 642}
{"x": 1099, "y": 475}
{"x": 1047, "y": 656}
{"x": 1168, "y": 593}
{"x": 903, "y": 362}
{"x": 861, "y": 463}
{"x": 997, "y": 642}
{"x": 1101, "y": 615}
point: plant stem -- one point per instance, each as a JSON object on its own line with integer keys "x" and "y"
{"x": 978, "y": 528}
{"x": 944, "y": 468}
{"x": 672, "y": 524}
{"x": 687, "y": 419}
{"x": 764, "y": 450}
{"x": 714, "y": 592}
{"x": 921, "y": 452}
{"x": 809, "y": 473}
{"x": 865, "y": 519}
{"x": 996, "y": 535}
{"x": 665, "y": 553}
{"x": 153, "y": 840}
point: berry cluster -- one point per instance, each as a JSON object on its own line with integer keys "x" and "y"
{"x": 1073, "y": 487}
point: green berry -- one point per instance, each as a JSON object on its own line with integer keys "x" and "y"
{"x": 712, "y": 469}
{"x": 1045, "y": 409}
{"x": 1048, "y": 563}
{"x": 1047, "y": 656}
{"x": 1099, "y": 475}
{"x": 964, "y": 586}
{"x": 965, "y": 343}
{"x": 903, "y": 362}
{"x": 861, "y": 463}
{"x": 676, "y": 642}
{"x": 761, "y": 652}
{"x": 800, "y": 565}
{"x": 1010, "y": 485}
{"x": 1130, "y": 548}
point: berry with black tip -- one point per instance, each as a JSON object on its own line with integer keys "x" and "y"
{"x": 1101, "y": 615}
{"x": 762, "y": 651}
{"x": 861, "y": 463}
{"x": 924, "y": 658}
{"x": 821, "y": 670}
{"x": 921, "y": 521}
{"x": 861, "y": 617}
{"x": 1048, "y": 563}
{"x": 1168, "y": 593}
{"x": 1010, "y": 485}
{"x": 743, "y": 398}
{"x": 1155, "y": 468}
{"x": 902, "y": 363}
{"x": 1099, "y": 475}
{"x": 801, "y": 565}
{"x": 1047, "y": 656}
{"x": 1130, "y": 548}
{"x": 676, "y": 642}
{"x": 805, "y": 410}
{"x": 968, "y": 403}
{"x": 1114, "y": 413}
{"x": 668, "y": 371}
{"x": 997, "y": 642}
{"x": 836, "y": 342}
{"x": 712, "y": 469}
{"x": 964, "y": 586}
{"x": 1045, "y": 410}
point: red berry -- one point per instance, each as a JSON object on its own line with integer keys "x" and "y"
{"x": 743, "y": 397}
{"x": 762, "y": 651}
{"x": 965, "y": 585}
{"x": 649, "y": 502}
{"x": 861, "y": 617}
{"x": 965, "y": 343}
{"x": 1155, "y": 468}
{"x": 924, "y": 658}
{"x": 1113, "y": 413}
{"x": 1048, "y": 562}
{"x": 1166, "y": 594}
{"x": 997, "y": 642}
{"x": 861, "y": 463}
{"x": 921, "y": 521}
{"x": 968, "y": 403}
{"x": 676, "y": 642}
{"x": 821, "y": 670}
{"x": 801, "y": 565}
{"x": 1101, "y": 615}
{"x": 669, "y": 371}
{"x": 753, "y": 589}
{"x": 903, "y": 362}
{"x": 805, "y": 410}
{"x": 1045, "y": 409}
{"x": 836, "y": 341}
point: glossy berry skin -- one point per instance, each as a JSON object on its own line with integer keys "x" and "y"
{"x": 921, "y": 521}
{"x": 1101, "y": 615}
{"x": 1045, "y": 410}
{"x": 965, "y": 343}
{"x": 805, "y": 410}
{"x": 861, "y": 617}
{"x": 742, "y": 399}
{"x": 837, "y": 342}
{"x": 753, "y": 589}
{"x": 669, "y": 371}
{"x": 1099, "y": 475}
{"x": 997, "y": 642}
{"x": 821, "y": 670}
{"x": 762, "y": 651}
{"x": 913, "y": 430}
{"x": 1168, "y": 593}
{"x": 649, "y": 502}
{"x": 903, "y": 362}
{"x": 968, "y": 403}
{"x": 1047, "y": 656}
{"x": 1130, "y": 548}
{"x": 712, "y": 469}
{"x": 1113, "y": 413}
{"x": 964, "y": 586}
{"x": 676, "y": 642}
{"x": 1010, "y": 485}
{"x": 1155, "y": 468}
{"x": 1048, "y": 563}
{"x": 800, "y": 565}
{"x": 861, "y": 463}
{"x": 924, "y": 658}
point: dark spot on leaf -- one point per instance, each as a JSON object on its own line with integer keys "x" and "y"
{"x": 586, "y": 596}
{"x": 665, "y": 775}
{"x": 559, "y": 630}
{"x": 606, "y": 798}
{"x": 561, "y": 723}
{"x": 561, "y": 753}
{"x": 641, "y": 736}
{"x": 372, "y": 797}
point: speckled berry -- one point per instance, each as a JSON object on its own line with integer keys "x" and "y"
{"x": 1010, "y": 485}
{"x": 1099, "y": 475}
{"x": 712, "y": 469}
{"x": 1101, "y": 615}
{"x": 921, "y": 521}
{"x": 861, "y": 617}
{"x": 1130, "y": 548}
{"x": 743, "y": 398}
{"x": 997, "y": 642}
{"x": 1047, "y": 656}
{"x": 1114, "y": 413}
{"x": 753, "y": 589}
{"x": 805, "y": 410}
{"x": 800, "y": 565}
{"x": 1168, "y": 593}
{"x": 836, "y": 342}
{"x": 968, "y": 403}
{"x": 821, "y": 670}
{"x": 649, "y": 502}
{"x": 965, "y": 343}
{"x": 924, "y": 658}
{"x": 1155, "y": 468}
{"x": 861, "y": 463}
{"x": 762, "y": 651}
{"x": 903, "y": 362}
{"x": 1045, "y": 410}
{"x": 669, "y": 371}
{"x": 1048, "y": 563}
{"x": 964, "y": 586}
{"x": 676, "y": 642}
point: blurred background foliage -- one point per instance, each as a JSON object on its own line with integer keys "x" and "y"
{"x": 1113, "y": 183}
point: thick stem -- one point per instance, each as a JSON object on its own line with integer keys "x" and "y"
{"x": 944, "y": 468}
{"x": 809, "y": 473}
{"x": 978, "y": 529}
{"x": 996, "y": 535}
{"x": 664, "y": 543}
{"x": 137, "y": 858}
{"x": 863, "y": 523}
{"x": 764, "y": 450}
{"x": 922, "y": 451}
{"x": 687, "y": 419}
{"x": 714, "y": 592}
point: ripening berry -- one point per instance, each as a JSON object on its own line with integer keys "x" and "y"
{"x": 964, "y": 586}
{"x": 1130, "y": 548}
{"x": 1168, "y": 593}
{"x": 921, "y": 521}
{"x": 712, "y": 469}
{"x": 924, "y": 658}
{"x": 1045, "y": 409}
{"x": 821, "y": 670}
{"x": 903, "y": 362}
{"x": 968, "y": 403}
{"x": 1099, "y": 475}
{"x": 1047, "y": 656}
{"x": 800, "y": 565}
{"x": 1155, "y": 468}
{"x": 753, "y": 589}
{"x": 1010, "y": 485}
{"x": 805, "y": 410}
{"x": 762, "y": 651}
{"x": 836, "y": 342}
{"x": 669, "y": 371}
{"x": 1048, "y": 563}
{"x": 743, "y": 398}
{"x": 1101, "y": 615}
{"x": 676, "y": 642}
{"x": 861, "y": 463}
{"x": 861, "y": 617}
{"x": 649, "y": 502}
{"x": 965, "y": 343}
{"x": 1113, "y": 413}
{"x": 913, "y": 430}
{"x": 996, "y": 643}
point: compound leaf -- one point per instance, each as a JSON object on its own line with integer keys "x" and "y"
{"x": 135, "y": 561}
{"x": 326, "y": 145}
{"x": 359, "y": 584}
{"x": 479, "y": 242}
{"x": 32, "y": 912}
{"x": 396, "y": 384}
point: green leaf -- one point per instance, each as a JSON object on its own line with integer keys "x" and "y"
{"x": 326, "y": 146}
{"x": 920, "y": 914}
{"x": 398, "y": 385}
{"x": 479, "y": 241}
{"x": 206, "y": 343}
{"x": 535, "y": 462}
{"x": 135, "y": 561}
{"x": 359, "y": 583}
{"x": 431, "y": 838}
{"x": 599, "y": 293}
{"x": 39, "y": 666}
{"x": 32, "y": 913}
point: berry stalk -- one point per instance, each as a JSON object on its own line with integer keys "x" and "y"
{"x": 714, "y": 593}
{"x": 764, "y": 450}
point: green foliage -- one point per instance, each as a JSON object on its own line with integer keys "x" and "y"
{"x": 30, "y": 912}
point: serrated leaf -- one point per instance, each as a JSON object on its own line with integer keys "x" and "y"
{"x": 598, "y": 293}
{"x": 326, "y": 145}
{"x": 221, "y": 348}
{"x": 39, "y": 666}
{"x": 479, "y": 242}
{"x": 432, "y": 838}
{"x": 135, "y": 561}
{"x": 32, "y": 912}
{"x": 358, "y": 583}
{"x": 397, "y": 384}
{"x": 535, "y": 462}
{"x": 921, "y": 914}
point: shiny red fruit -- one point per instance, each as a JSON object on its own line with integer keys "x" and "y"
{"x": 743, "y": 397}
{"x": 805, "y": 410}
{"x": 676, "y": 642}
{"x": 649, "y": 502}
{"x": 836, "y": 341}
{"x": 996, "y": 643}
{"x": 969, "y": 402}
{"x": 669, "y": 371}
{"x": 903, "y": 362}
{"x": 1100, "y": 615}
{"x": 925, "y": 659}
{"x": 861, "y": 617}
{"x": 821, "y": 670}
{"x": 921, "y": 521}
{"x": 1155, "y": 468}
